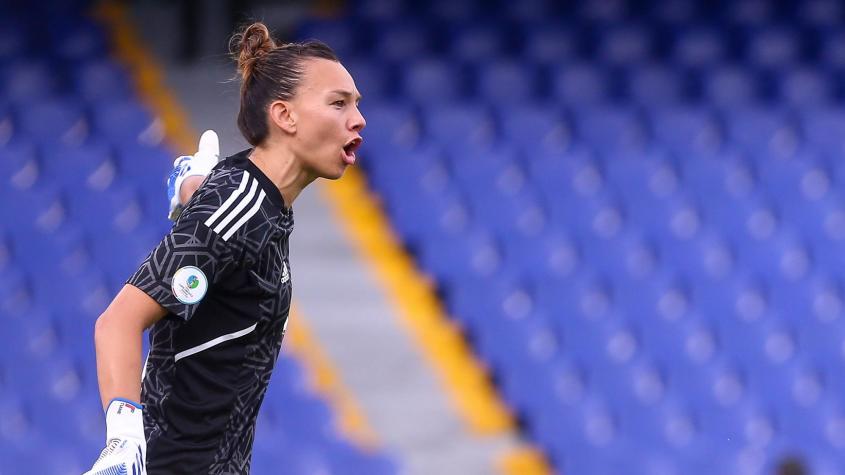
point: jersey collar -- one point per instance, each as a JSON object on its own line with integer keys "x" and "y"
{"x": 241, "y": 159}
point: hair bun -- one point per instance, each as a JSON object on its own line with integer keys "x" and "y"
{"x": 249, "y": 45}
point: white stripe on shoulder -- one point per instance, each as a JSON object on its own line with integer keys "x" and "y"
{"x": 241, "y": 205}
{"x": 245, "y": 217}
{"x": 229, "y": 201}
{"x": 215, "y": 342}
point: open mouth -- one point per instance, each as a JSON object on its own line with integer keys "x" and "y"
{"x": 349, "y": 150}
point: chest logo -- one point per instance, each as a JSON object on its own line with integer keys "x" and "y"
{"x": 189, "y": 285}
{"x": 285, "y": 273}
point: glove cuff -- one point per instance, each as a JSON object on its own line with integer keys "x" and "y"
{"x": 124, "y": 420}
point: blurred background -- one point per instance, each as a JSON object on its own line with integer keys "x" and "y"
{"x": 630, "y": 212}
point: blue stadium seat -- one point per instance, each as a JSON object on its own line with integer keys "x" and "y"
{"x": 373, "y": 80}
{"x": 626, "y": 255}
{"x": 806, "y": 88}
{"x": 457, "y": 126}
{"x": 390, "y": 126}
{"x": 79, "y": 39}
{"x": 774, "y": 48}
{"x": 534, "y": 257}
{"x": 748, "y": 13}
{"x": 114, "y": 207}
{"x": 643, "y": 179}
{"x": 12, "y": 41}
{"x": 653, "y": 86}
{"x": 433, "y": 81}
{"x": 699, "y": 48}
{"x": 549, "y": 44}
{"x": 676, "y": 14}
{"x": 102, "y": 80}
{"x": 535, "y": 130}
{"x": 824, "y": 128}
{"x": 54, "y": 122}
{"x": 731, "y": 86}
{"x": 45, "y": 209}
{"x": 451, "y": 258}
{"x": 628, "y": 44}
{"x": 477, "y": 44}
{"x": 453, "y": 12}
{"x": 28, "y": 80}
{"x": 763, "y": 131}
{"x": 508, "y": 82}
{"x": 686, "y": 130}
{"x": 574, "y": 174}
{"x": 403, "y": 41}
{"x": 833, "y": 50}
{"x": 342, "y": 36}
{"x": 445, "y": 214}
{"x": 377, "y": 10}
{"x": 472, "y": 301}
{"x": 580, "y": 85}
{"x": 819, "y": 13}
{"x": 89, "y": 166}
{"x": 126, "y": 122}
{"x": 612, "y": 130}
{"x": 602, "y": 13}
{"x": 19, "y": 167}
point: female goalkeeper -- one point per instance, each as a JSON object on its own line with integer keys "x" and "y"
{"x": 217, "y": 289}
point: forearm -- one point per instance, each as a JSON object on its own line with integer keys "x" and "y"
{"x": 118, "y": 345}
{"x": 189, "y": 187}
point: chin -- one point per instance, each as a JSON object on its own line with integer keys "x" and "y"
{"x": 333, "y": 174}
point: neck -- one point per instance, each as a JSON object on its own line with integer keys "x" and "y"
{"x": 282, "y": 168}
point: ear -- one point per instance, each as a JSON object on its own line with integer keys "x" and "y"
{"x": 282, "y": 115}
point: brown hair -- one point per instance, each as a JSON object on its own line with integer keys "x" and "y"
{"x": 269, "y": 71}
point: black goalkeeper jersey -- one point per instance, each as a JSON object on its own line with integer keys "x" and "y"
{"x": 223, "y": 275}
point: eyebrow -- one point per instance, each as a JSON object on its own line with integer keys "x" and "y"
{"x": 345, "y": 93}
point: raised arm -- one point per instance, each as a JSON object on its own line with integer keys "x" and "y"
{"x": 189, "y": 171}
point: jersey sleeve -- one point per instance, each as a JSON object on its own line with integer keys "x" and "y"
{"x": 195, "y": 256}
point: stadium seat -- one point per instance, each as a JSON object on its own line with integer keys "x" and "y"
{"x": 774, "y": 48}
{"x": 686, "y": 130}
{"x": 549, "y": 44}
{"x": 477, "y": 44}
{"x": 28, "y": 80}
{"x": 433, "y": 81}
{"x": 54, "y": 122}
{"x": 403, "y": 42}
{"x": 507, "y": 82}
{"x": 730, "y": 86}
{"x": 535, "y": 130}
{"x": 699, "y": 48}
{"x": 612, "y": 130}
{"x": 101, "y": 81}
{"x": 806, "y": 88}
{"x": 580, "y": 85}
{"x": 653, "y": 86}
{"x": 126, "y": 122}
{"x": 625, "y": 45}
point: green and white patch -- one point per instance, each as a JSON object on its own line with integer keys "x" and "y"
{"x": 189, "y": 285}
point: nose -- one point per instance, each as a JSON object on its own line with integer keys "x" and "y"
{"x": 358, "y": 122}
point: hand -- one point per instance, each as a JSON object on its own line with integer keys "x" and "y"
{"x": 126, "y": 447}
{"x": 198, "y": 164}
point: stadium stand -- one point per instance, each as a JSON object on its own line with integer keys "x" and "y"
{"x": 633, "y": 210}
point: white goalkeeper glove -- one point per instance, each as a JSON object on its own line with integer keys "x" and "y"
{"x": 198, "y": 164}
{"x": 126, "y": 447}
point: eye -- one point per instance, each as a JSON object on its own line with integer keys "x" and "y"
{"x": 338, "y": 103}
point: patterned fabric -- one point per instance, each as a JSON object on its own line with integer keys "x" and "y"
{"x": 223, "y": 275}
